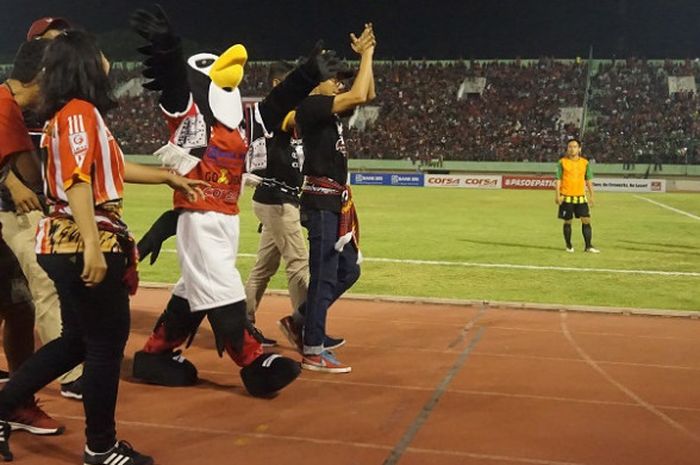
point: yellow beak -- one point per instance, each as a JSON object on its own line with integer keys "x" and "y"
{"x": 227, "y": 71}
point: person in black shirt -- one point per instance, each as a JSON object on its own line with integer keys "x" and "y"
{"x": 327, "y": 210}
{"x": 276, "y": 161}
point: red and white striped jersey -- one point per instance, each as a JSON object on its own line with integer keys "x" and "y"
{"x": 79, "y": 148}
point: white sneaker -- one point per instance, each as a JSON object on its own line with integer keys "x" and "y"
{"x": 592, "y": 250}
{"x": 570, "y": 249}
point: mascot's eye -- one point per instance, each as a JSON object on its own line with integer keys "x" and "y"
{"x": 228, "y": 89}
{"x": 204, "y": 63}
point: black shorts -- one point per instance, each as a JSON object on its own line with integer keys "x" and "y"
{"x": 568, "y": 210}
{"x": 14, "y": 288}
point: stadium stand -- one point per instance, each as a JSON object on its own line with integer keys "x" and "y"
{"x": 428, "y": 112}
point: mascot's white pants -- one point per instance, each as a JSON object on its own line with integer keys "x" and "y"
{"x": 207, "y": 245}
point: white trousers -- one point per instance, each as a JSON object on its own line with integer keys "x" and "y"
{"x": 207, "y": 245}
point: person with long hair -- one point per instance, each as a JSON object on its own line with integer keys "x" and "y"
{"x": 83, "y": 244}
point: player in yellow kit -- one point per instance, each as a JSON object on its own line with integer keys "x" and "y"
{"x": 573, "y": 178}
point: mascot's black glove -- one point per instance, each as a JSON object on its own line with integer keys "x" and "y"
{"x": 155, "y": 27}
{"x": 165, "y": 64}
{"x": 321, "y": 65}
{"x": 317, "y": 67}
{"x": 152, "y": 241}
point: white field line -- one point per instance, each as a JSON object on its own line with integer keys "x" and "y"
{"x": 668, "y": 207}
{"x": 692, "y": 274}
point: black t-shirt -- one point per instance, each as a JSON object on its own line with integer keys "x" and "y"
{"x": 324, "y": 148}
{"x": 282, "y": 178}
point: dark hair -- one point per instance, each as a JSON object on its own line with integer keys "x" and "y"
{"x": 279, "y": 70}
{"x": 73, "y": 70}
{"x": 27, "y": 62}
{"x": 574, "y": 139}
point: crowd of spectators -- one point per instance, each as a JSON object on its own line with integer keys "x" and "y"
{"x": 420, "y": 116}
{"x": 632, "y": 118}
{"x": 138, "y": 124}
{"x": 636, "y": 120}
{"x": 516, "y": 118}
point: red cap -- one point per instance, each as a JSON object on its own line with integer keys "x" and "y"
{"x": 42, "y": 25}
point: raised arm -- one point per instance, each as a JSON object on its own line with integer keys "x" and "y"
{"x": 165, "y": 63}
{"x": 369, "y": 29}
{"x": 319, "y": 66}
{"x": 360, "y": 91}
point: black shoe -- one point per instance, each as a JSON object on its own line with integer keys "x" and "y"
{"x": 166, "y": 369}
{"x": 267, "y": 342}
{"x": 4, "y": 376}
{"x": 5, "y": 431}
{"x": 264, "y": 341}
{"x": 73, "y": 390}
{"x": 293, "y": 332}
{"x": 330, "y": 343}
{"x": 268, "y": 374}
{"x": 122, "y": 454}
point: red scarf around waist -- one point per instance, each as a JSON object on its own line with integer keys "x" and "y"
{"x": 349, "y": 225}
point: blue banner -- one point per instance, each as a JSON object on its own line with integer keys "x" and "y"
{"x": 387, "y": 179}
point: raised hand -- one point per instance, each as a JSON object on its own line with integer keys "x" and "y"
{"x": 366, "y": 40}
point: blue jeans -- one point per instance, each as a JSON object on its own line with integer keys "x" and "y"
{"x": 331, "y": 273}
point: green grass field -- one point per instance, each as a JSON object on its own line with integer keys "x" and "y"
{"x": 471, "y": 229}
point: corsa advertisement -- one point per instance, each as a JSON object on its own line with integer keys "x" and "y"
{"x": 468, "y": 181}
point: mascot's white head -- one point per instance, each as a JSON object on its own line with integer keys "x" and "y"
{"x": 214, "y": 81}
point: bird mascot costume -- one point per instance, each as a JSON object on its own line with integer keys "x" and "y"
{"x": 209, "y": 141}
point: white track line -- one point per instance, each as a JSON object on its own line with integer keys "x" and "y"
{"x": 628, "y": 392}
{"x": 668, "y": 207}
{"x": 596, "y": 333}
{"x": 325, "y": 442}
{"x": 400, "y": 387}
{"x": 513, "y": 266}
{"x": 224, "y": 432}
{"x": 499, "y": 458}
{"x": 578, "y": 360}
